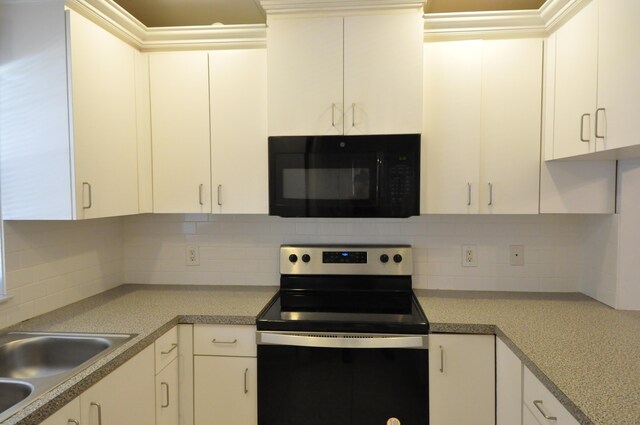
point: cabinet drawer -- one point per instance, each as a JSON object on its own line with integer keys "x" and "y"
{"x": 166, "y": 348}
{"x": 541, "y": 402}
{"x": 224, "y": 340}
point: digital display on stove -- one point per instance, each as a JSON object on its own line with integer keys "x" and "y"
{"x": 344, "y": 257}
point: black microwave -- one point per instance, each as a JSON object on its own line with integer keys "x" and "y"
{"x": 344, "y": 176}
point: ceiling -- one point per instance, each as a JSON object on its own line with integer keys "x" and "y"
{"x": 165, "y": 13}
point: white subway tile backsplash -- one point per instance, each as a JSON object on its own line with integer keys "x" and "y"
{"x": 243, "y": 249}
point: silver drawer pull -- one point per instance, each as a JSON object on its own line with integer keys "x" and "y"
{"x": 215, "y": 341}
{"x": 246, "y": 389}
{"x": 582, "y": 139}
{"x": 538, "y": 404}
{"x": 441, "y": 359}
{"x": 164, "y": 384}
{"x": 173, "y": 347}
{"x": 73, "y": 421}
{"x": 99, "y": 411}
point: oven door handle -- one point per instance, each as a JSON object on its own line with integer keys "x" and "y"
{"x": 342, "y": 340}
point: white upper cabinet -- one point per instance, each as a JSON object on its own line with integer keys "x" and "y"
{"x": 618, "y": 70}
{"x": 68, "y": 120}
{"x": 180, "y": 129}
{"x": 451, "y": 136}
{"x": 575, "y": 82}
{"x": 305, "y": 76}
{"x": 383, "y": 74}
{"x": 481, "y": 138}
{"x": 597, "y": 92}
{"x": 238, "y": 81}
{"x": 345, "y": 75}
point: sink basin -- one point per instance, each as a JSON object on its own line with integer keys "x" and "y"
{"x": 13, "y": 392}
{"x": 32, "y": 363}
{"x": 39, "y": 356}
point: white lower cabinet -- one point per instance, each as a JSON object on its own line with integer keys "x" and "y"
{"x": 68, "y": 415}
{"x": 508, "y": 386}
{"x": 124, "y": 397}
{"x": 225, "y": 375}
{"x": 543, "y": 406}
{"x": 462, "y": 379}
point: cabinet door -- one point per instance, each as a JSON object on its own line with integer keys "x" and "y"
{"x": 305, "y": 64}
{"x": 124, "y": 397}
{"x": 570, "y": 187}
{"x": 167, "y": 412}
{"x": 462, "y": 379}
{"x": 508, "y": 386}
{"x": 103, "y": 86}
{"x": 510, "y": 131}
{"x": 540, "y": 402}
{"x": 180, "y": 132}
{"x": 576, "y": 79}
{"x": 451, "y": 135}
{"x": 225, "y": 390}
{"x": 383, "y": 73}
{"x": 66, "y": 415}
{"x": 238, "y": 80}
{"x": 618, "y": 69}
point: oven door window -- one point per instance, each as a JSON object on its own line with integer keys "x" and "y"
{"x": 330, "y": 386}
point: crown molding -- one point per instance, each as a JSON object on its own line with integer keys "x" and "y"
{"x": 313, "y": 6}
{"x": 521, "y": 23}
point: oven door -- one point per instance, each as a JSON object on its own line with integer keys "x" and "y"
{"x": 338, "y": 176}
{"x": 342, "y": 379}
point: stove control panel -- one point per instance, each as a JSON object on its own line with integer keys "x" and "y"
{"x": 395, "y": 260}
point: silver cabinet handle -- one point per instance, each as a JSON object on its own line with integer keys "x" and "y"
{"x": 598, "y": 136}
{"x": 88, "y": 185}
{"x": 246, "y": 389}
{"x": 173, "y": 347}
{"x": 441, "y": 359}
{"x": 219, "y": 195}
{"x": 353, "y": 115}
{"x": 582, "y": 139}
{"x": 200, "y": 194}
{"x": 162, "y": 405}
{"x": 73, "y": 421}
{"x": 333, "y": 115}
{"x": 490, "y": 194}
{"x": 346, "y": 340}
{"x": 468, "y": 194}
{"x": 99, "y": 411}
{"x": 215, "y": 341}
{"x": 538, "y": 404}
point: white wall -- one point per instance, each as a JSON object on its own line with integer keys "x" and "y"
{"x": 243, "y": 250}
{"x": 600, "y": 257}
{"x": 55, "y": 263}
{"x": 628, "y": 296}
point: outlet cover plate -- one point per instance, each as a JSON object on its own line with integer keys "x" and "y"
{"x": 469, "y": 256}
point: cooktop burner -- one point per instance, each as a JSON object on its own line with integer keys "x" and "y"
{"x": 358, "y": 289}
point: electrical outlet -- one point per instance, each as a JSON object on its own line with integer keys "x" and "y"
{"x": 469, "y": 256}
{"x": 516, "y": 255}
{"x": 193, "y": 256}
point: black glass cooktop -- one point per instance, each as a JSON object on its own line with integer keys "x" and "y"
{"x": 344, "y": 311}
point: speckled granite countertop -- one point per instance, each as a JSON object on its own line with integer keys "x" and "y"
{"x": 586, "y": 353}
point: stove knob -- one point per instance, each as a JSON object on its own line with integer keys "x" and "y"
{"x": 306, "y": 258}
{"x": 293, "y": 258}
{"x": 384, "y": 258}
{"x": 397, "y": 258}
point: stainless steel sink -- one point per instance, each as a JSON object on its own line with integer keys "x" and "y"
{"x": 32, "y": 363}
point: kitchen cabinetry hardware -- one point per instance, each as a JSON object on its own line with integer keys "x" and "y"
{"x": 173, "y": 347}
{"x": 582, "y": 139}
{"x": 224, "y": 342}
{"x": 599, "y": 136}
{"x": 353, "y": 115}
{"x": 88, "y": 185}
{"x": 538, "y": 404}
{"x": 73, "y": 421}
{"x": 99, "y": 411}
{"x": 200, "y": 194}
{"x": 333, "y": 115}
{"x": 166, "y": 386}
{"x": 490, "y": 194}
{"x": 441, "y": 359}
{"x": 219, "y": 195}
{"x": 246, "y": 389}
{"x": 468, "y": 194}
